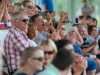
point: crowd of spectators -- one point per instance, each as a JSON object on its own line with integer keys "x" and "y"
{"x": 36, "y": 44}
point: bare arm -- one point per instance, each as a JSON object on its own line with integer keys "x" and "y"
{"x": 88, "y": 13}
{"x": 5, "y": 15}
{"x": 2, "y": 11}
{"x": 88, "y": 49}
{"x": 44, "y": 7}
{"x": 79, "y": 38}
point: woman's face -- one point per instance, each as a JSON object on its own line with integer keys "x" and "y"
{"x": 94, "y": 31}
{"x": 94, "y": 23}
{"x": 62, "y": 31}
{"x": 10, "y": 8}
{"x": 36, "y": 61}
{"x": 49, "y": 54}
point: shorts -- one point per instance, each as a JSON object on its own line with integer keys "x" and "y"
{"x": 92, "y": 65}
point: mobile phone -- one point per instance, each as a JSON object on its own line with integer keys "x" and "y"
{"x": 75, "y": 21}
{"x": 68, "y": 21}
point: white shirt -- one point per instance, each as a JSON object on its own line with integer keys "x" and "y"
{"x": 32, "y": 43}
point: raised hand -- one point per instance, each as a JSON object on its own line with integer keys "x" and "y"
{"x": 63, "y": 16}
{"x": 54, "y": 36}
{"x": 48, "y": 17}
{"x": 80, "y": 66}
{"x": 52, "y": 16}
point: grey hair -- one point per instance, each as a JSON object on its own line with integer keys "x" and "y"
{"x": 16, "y": 16}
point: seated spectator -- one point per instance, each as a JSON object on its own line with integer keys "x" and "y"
{"x": 93, "y": 36}
{"x": 16, "y": 40}
{"x": 82, "y": 20}
{"x": 84, "y": 34}
{"x": 17, "y": 7}
{"x": 60, "y": 65}
{"x": 50, "y": 51}
{"x": 32, "y": 61}
{"x": 77, "y": 42}
{"x": 94, "y": 22}
{"x": 37, "y": 19}
{"x": 89, "y": 64}
{"x": 28, "y": 7}
{"x": 86, "y": 47}
{"x": 32, "y": 33}
{"x": 10, "y": 9}
{"x": 88, "y": 21}
{"x": 37, "y": 9}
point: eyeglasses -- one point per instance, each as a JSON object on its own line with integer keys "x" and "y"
{"x": 24, "y": 20}
{"x": 63, "y": 29}
{"x": 71, "y": 50}
{"x": 48, "y": 52}
{"x": 39, "y": 59}
{"x": 30, "y": 7}
{"x": 94, "y": 30}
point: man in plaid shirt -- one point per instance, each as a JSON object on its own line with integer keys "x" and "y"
{"x": 16, "y": 40}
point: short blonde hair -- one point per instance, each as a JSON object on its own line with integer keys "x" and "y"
{"x": 32, "y": 30}
{"x": 17, "y": 7}
{"x": 48, "y": 42}
{"x": 28, "y": 53}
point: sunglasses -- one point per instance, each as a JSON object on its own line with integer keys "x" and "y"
{"x": 48, "y": 52}
{"x": 24, "y": 20}
{"x": 30, "y": 7}
{"x": 71, "y": 50}
{"x": 63, "y": 29}
{"x": 39, "y": 59}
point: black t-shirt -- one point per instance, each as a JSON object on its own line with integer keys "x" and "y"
{"x": 85, "y": 44}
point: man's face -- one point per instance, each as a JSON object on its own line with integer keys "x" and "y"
{"x": 39, "y": 22}
{"x": 84, "y": 3}
{"x": 83, "y": 32}
{"x": 89, "y": 21}
{"x": 22, "y": 21}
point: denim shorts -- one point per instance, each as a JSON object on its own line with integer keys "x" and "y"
{"x": 92, "y": 65}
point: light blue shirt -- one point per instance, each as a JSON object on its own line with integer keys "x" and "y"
{"x": 86, "y": 9}
{"x": 41, "y": 37}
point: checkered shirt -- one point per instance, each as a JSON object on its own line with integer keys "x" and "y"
{"x": 14, "y": 44}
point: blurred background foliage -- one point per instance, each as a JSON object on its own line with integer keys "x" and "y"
{"x": 73, "y": 7}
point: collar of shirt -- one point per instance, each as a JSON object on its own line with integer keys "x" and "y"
{"x": 54, "y": 69}
{"x": 18, "y": 30}
{"x": 22, "y": 32}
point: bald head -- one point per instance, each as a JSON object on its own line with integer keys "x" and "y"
{"x": 82, "y": 30}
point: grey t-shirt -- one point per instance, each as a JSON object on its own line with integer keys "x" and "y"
{"x": 41, "y": 36}
{"x": 86, "y": 9}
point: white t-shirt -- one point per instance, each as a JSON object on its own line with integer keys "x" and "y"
{"x": 32, "y": 43}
